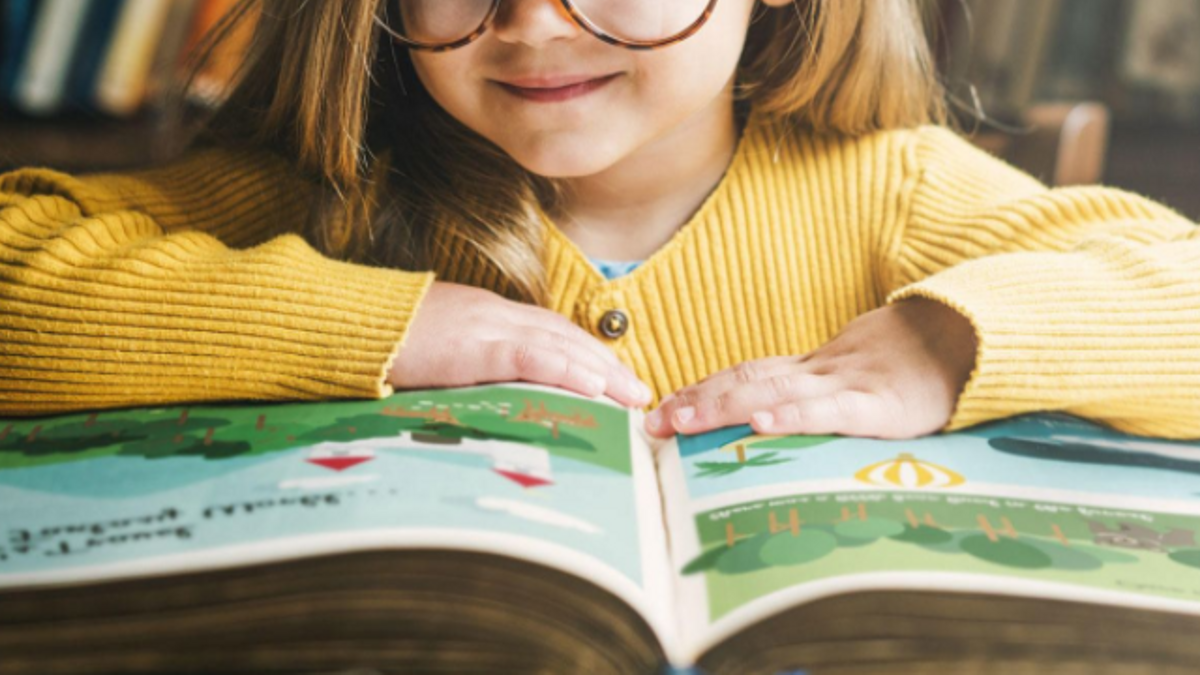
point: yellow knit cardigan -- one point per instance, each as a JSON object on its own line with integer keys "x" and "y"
{"x": 183, "y": 283}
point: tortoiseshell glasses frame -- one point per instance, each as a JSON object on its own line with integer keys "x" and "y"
{"x": 577, "y": 16}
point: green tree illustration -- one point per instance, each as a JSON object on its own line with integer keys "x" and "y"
{"x": 714, "y": 469}
{"x": 1063, "y": 557}
{"x": 783, "y": 549}
{"x": 745, "y": 556}
{"x": 1006, "y": 552}
{"x": 765, "y": 550}
{"x": 1189, "y": 557}
{"x": 149, "y": 439}
{"x": 869, "y": 529}
{"x": 705, "y": 561}
{"x": 924, "y": 536}
{"x": 168, "y": 437}
{"x": 72, "y": 437}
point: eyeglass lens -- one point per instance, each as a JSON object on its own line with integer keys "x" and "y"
{"x": 445, "y": 21}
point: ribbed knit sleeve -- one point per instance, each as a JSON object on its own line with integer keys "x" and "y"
{"x": 182, "y": 284}
{"x": 1085, "y": 300}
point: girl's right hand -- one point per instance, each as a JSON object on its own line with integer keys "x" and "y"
{"x": 463, "y": 335}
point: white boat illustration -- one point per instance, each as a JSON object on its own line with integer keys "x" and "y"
{"x": 340, "y": 456}
{"x": 525, "y": 465}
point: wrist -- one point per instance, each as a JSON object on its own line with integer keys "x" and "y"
{"x": 948, "y": 335}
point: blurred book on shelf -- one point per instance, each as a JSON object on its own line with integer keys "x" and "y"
{"x": 1140, "y": 58}
{"x": 993, "y": 49}
{"x": 40, "y": 86}
{"x": 1162, "y": 61}
{"x": 1013, "y": 66}
{"x": 94, "y": 84}
{"x": 120, "y": 90}
{"x": 211, "y": 83}
{"x": 89, "y": 84}
{"x": 1079, "y": 63}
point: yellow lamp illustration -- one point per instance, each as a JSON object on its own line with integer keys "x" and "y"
{"x": 907, "y": 471}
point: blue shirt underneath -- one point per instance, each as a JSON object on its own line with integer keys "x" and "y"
{"x": 612, "y": 269}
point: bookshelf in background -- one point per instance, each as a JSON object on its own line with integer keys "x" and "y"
{"x": 1138, "y": 58}
{"x": 83, "y": 83}
{"x": 91, "y": 84}
{"x": 1141, "y": 58}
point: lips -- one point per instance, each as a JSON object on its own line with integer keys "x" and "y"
{"x": 555, "y": 88}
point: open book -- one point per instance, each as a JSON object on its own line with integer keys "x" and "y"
{"x": 522, "y": 529}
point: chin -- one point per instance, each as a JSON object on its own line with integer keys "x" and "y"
{"x": 561, "y": 164}
{"x": 561, "y": 155}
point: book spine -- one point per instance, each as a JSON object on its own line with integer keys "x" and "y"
{"x": 991, "y": 28}
{"x": 1029, "y": 51}
{"x": 94, "y": 44}
{"x": 163, "y": 73}
{"x": 1163, "y": 53}
{"x": 42, "y": 84}
{"x": 212, "y": 82}
{"x": 1079, "y": 63}
{"x": 121, "y": 87}
{"x": 208, "y": 13}
{"x": 18, "y": 18}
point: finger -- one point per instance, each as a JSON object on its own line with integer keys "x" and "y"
{"x": 714, "y": 409}
{"x": 846, "y": 412}
{"x": 634, "y": 390}
{"x": 664, "y": 421}
{"x": 544, "y": 319}
{"x": 720, "y": 381}
{"x": 525, "y": 361}
{"x": 619, "y": 383}
{"x": 748, "y": 371}
{"x": 659, "y": 422}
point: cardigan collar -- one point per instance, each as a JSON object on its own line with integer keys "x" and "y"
{"x": 565, "y": 257}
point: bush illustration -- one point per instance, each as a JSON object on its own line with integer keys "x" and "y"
{"x": 811, "y": 544}
{"x": 869, "y": 528}
{"x": 224, "y": 432}
{"x": 1007, "y": 552}
{"x": 1189, "y": 557}
{"x": 767, "y": 541}
{"x": 746, "y": 556}
{"x": 929, "y": 537}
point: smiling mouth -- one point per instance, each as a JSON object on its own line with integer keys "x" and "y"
{"x": 552, "y": 94}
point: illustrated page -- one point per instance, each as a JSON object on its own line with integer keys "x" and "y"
{"x": 524, "y": 471}
{"x": 1045, "y": 503}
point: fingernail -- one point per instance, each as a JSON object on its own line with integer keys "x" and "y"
{"x": 685, "y": 414}
{"x": 643, "y": 392}
{"x": 763, "y": 419}
{"x": 654, "y": 419}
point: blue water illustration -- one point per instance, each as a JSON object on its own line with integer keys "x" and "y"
{"x": 118, "y": 508}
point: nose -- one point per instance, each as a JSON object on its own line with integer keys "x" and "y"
{"x": 533, "y": 22}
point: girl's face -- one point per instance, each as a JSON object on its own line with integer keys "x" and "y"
{"x": 564, "y": 104}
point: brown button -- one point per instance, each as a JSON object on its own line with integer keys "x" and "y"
{"x": 614, "y": 323}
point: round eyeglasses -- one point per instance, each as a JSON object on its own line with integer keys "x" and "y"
{"x": 441, "y": 25}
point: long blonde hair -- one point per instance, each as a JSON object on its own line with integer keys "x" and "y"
{"x": 323, "y": 87}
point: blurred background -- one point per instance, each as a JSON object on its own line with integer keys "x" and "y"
{"x": 1073, "y": 91}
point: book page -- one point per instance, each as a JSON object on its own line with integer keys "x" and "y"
{"x": 517, "y": 470}
{"x": 1046, "y": 505}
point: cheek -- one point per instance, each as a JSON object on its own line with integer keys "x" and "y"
{"x": 691, "y": 75}
{"x": 443, "y": 76}
{"x": 704, "y": 63}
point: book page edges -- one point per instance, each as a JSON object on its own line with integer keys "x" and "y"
{"x": 935, "y": 583}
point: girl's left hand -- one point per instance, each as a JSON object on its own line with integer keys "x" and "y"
{"x": 894, "y": 372}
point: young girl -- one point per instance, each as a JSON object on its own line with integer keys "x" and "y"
{"x": 430, "y": 193}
